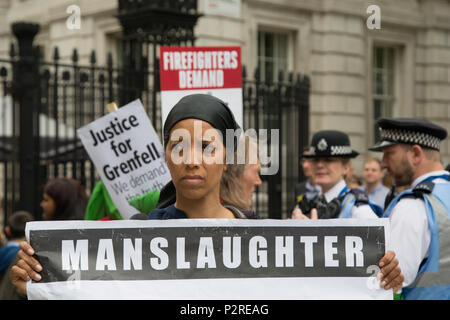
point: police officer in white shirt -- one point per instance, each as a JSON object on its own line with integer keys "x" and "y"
{"x": 419, "y": 216}
{"x": 330, "y": 154}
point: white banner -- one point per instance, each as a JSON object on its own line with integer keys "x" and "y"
{"x": 127, "y": 153}
{"x": 209, "y": 259}
{"x": 232, "y": 97}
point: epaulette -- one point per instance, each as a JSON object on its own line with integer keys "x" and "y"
{"x": 426, "y": 187}
{"x": 360, "y": 196}
{"x": 419, "y": 190}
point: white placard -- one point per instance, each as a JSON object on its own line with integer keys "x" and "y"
{"x": 127, "y": 153}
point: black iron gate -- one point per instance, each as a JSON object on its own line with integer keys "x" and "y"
{"x": 44, "y": 103}
{"x": 282, "y": 105}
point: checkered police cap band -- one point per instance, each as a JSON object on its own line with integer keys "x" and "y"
{"x": 410, "y": 137}
{"x": 340, "y": 150}
{"x": 335, "y": 150}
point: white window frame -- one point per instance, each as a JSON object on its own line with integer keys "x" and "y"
{"x": 404, "y": 75}
{"x": 388, "y": 77}
{"x": 277, "y": 59}
{"x": 296, "y": 26}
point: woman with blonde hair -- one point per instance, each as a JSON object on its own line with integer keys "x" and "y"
{"x": 240, "y": 179}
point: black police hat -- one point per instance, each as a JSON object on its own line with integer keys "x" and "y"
{"x": 409, "y": 131}
{"x": 330, "y": 143}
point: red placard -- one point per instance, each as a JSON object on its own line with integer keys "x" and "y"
{"x": 196, "y": 68}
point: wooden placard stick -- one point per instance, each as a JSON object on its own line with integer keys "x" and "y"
{"x": 111, "y": 107}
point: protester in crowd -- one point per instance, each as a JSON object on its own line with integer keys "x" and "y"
{"x": 15, "y": 233}
{"x": 373, "y": 186}
{"x": 350, "y": 174}
{"x": 101, "y": 206}
{"x": 354, "y": 182}
{"x": 240, "y": 179}
{"x": 330, "y": 153}
{"x": 308, "y": 190}
{"x": 196, "y": 181}
{"x": 2, "y": 224}
{"x": 64, "y": 199}
{"x": 419, "y": 216}
{"x": 3, "y": 239}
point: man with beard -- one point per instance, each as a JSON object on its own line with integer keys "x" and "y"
{"x": 419, "y": 216}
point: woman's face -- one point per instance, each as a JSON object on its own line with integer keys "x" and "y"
{"x": 195, "y": 159}
{"x": 328, "y": 171}
{"x": 250, "y": 180}
{"x": 48, "y": 205}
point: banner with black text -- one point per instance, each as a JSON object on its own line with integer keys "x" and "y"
{"x": 209, "y": 259}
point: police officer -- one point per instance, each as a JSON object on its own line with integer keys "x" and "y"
{"x": 419, "y": 216}
{"x": 330, "y": 154}
{"x": 306, "y": 191}
{"x": 307, "y": 188}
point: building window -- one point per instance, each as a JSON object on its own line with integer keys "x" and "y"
{"x": 383, "y": 83}
{"x": 272, "y": 54}
{"x": 114, "y": 46}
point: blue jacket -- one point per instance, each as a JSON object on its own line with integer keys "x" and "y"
{"x": 7, "y": 254}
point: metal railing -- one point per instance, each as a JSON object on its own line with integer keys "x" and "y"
{"x": 44, "y": 103}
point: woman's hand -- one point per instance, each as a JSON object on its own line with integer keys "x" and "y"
{"x": 390, "y": 275}
{"x": 26, "y": 268}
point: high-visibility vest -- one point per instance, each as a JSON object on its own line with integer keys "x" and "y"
{"x": 356, "y": 197}
{"x": 433, "y": 279}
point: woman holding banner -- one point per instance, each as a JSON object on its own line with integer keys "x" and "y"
{"x": 195, "y": 142}
{"x": 196, "y": 163}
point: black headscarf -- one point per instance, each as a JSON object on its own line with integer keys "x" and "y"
{"x": 202, "y": 107}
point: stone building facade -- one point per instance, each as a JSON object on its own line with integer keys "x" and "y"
{"x": 357, "y": 73}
